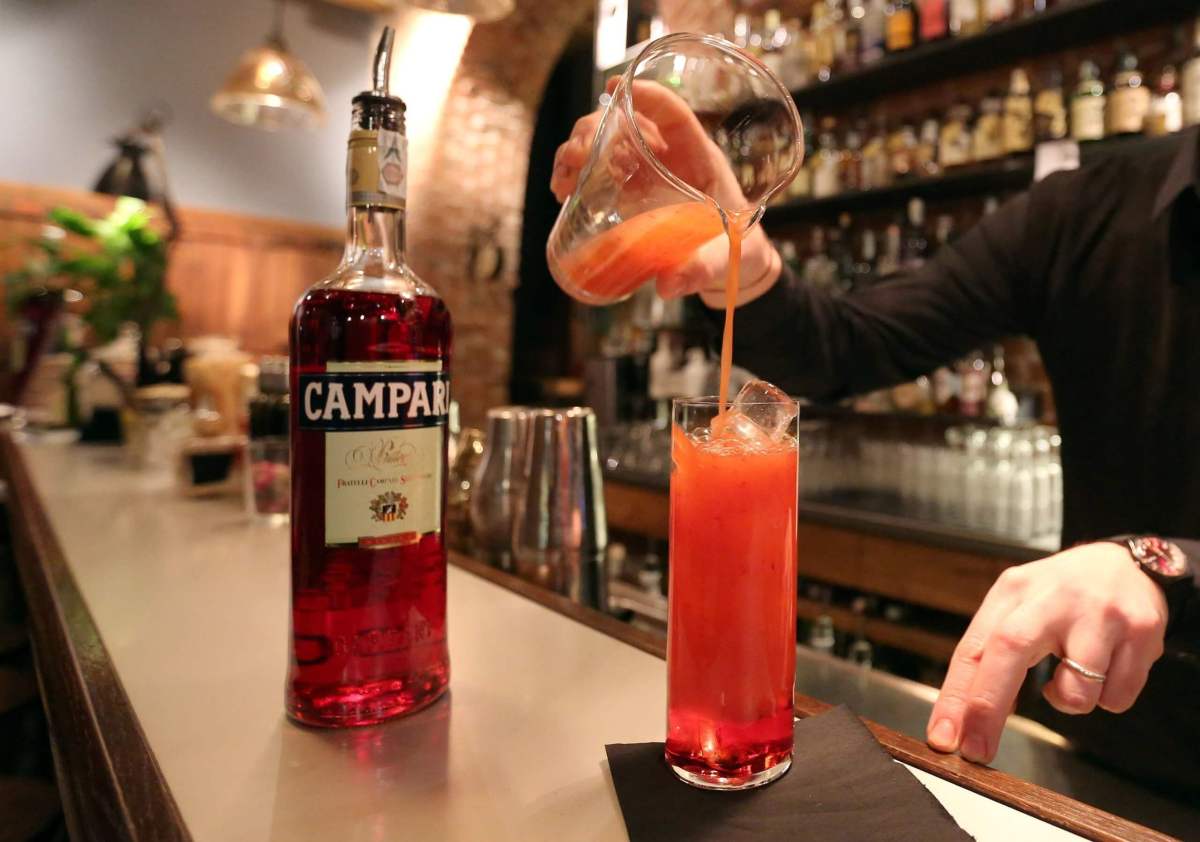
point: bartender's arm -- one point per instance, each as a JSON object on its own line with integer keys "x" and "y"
{"x": 1091, "y": 603}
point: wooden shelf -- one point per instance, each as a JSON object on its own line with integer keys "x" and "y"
{"x": 1012, "y": 173}
{"x": 938, "y": 647}
{"x": 1069, "y": 24}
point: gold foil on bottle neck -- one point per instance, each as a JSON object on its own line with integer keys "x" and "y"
{"x": 377, "y": 168}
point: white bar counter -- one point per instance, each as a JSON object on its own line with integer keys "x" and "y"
{"x": 190, "y": 600}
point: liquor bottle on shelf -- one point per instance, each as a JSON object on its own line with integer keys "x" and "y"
{"x": 914, "y": 249}
{"x": 1002, "y": 404}
{"x": 944, "y": 386}
{"x": 954, "y": 140}
{"x": 1018, "y": 114}
{"x": 901, "y": 26}
{"x": 851, "y": 58}
{"x": 1088, "y": 104}
{"x": 1033, "y": 7}
{"x": 966, "y": 18}
{"x": 999, "y": 11}
{"x": 935, "y": 19}
{"x": 1129, "y": 98}
{"x": 821, "y": 27}
{"x": 864, "y": 265}
{"x": 987, "y": 141}
{"x": 742, "y": 30}
{"x": 851, "y": 175}
{"x": 801, "y": 186}
{"x": 841, "y": 252}
{"x": 370, "y": 355}
{"x": 925, "y": 157}
{"x": 902, "y": 145}
{"x": 797, "y": 55}
{"x": 826, "y": 180}
{"x": 774, "y": 40}
{"x": 943, "y": 232}
{"x": 973, "y": 385}
{"x": 837, "y": 33}
{"x": 1049, "y": 109}
{"x": 754, "y": 37}
{"x": 819, "y": 269}
{"x": 1166, "y": 106}
{"x": 876, "y": 161}
{"x": 889, "y": 262}
{"x": 873, "y": 32}
{"x": 1190, "y": 80}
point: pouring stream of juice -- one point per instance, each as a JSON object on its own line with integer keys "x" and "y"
{"x": 735, "y": 229}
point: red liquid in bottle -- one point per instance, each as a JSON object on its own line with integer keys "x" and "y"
{"x": 368, "y": 625}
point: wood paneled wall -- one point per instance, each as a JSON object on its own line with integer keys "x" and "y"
{"x": 234, "y": 275}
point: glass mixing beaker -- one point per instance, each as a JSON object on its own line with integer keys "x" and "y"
{"x": 723, "y": 138}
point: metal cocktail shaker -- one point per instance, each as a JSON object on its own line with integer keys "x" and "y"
{"x": 498, "y": 482}
{"x": 560, "y": 531}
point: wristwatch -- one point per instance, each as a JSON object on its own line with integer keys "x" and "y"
{"x": 1165, "y": 563}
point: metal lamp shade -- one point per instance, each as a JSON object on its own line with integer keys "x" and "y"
{"x": 481, "y": 11}
{"x": 271, "y": 89}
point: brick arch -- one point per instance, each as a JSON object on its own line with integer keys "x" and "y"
{"x": 480, "y": 163}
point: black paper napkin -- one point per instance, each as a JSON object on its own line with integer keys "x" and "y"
{"x": 842, "y": 786}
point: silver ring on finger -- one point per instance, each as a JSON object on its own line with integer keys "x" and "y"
{"x": 1090, "y": 675}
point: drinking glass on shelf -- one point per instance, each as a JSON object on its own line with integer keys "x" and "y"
{"x": 1023, "y": 491}
{"x": 731, "y": 628}
{"x": 975, "y": 485}
{"x": 632, "y": 216}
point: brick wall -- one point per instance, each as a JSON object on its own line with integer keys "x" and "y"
{"x": 476, "y": 187}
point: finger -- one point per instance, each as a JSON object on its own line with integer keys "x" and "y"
{"x": 572, "y": 155}
{"x": 611, "y": 83}
{"x": 944, "y": 730}
{"x": 1127, "y": 676}
{"x": 662, "y": 105}
{"x": 650, "y": 133}
{"x": 1090, "y": 643}
{"x": 1022, "y": 639}
{"x": 563, "y": 180}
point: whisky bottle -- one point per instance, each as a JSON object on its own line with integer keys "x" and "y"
{"x": 1049, "y": 111}
{"x": 1018, "y": 114}
{"x": 1166, "y": 106}
{"x": 987, "y": 141}
{"x": 369, "y": 381}
{"x": 872, "y": 32}
{"x": 966, "y": 18}
{"x": 1088, "y": 104}
{"x": 1129, "y": 99}
{"x": 1190, "y": 81}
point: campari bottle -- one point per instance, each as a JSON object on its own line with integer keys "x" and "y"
{"x": 370, "y": 355}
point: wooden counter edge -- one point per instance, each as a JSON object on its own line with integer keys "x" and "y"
{"x": 109, "y": 781}
{"x": 1044, "y": 804}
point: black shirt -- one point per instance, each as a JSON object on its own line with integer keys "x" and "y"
{"x": 1101, "y": 267}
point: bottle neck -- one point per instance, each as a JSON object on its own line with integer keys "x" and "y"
{"x": 374, "y": 238}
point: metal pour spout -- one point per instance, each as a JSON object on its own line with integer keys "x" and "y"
{"x": 383, "y": 62}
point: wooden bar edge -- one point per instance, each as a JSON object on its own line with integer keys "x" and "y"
{"x": 1044, "y": 804}
{"x": 110, "y": 783}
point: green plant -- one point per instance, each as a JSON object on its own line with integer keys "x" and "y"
{"x": 118, "y": 263}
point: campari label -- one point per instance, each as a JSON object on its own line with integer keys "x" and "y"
{"x": 384, "y": 426}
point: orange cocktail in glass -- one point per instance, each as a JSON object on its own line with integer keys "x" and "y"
{"x": 731, "y": 648}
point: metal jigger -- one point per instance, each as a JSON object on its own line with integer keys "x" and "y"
{"x": 498, "y": 482}
{"x": 560, "y": 531}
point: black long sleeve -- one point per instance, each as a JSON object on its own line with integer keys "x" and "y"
{"x": 977, "y": 290}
